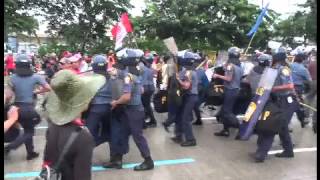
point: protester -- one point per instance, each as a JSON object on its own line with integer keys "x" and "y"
{"x": 70, "y": 97}
{"x": 10, "y": 65}
{"x": 300, "y": 77}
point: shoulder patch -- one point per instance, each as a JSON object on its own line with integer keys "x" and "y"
{"x": 127, "y": 79}
{"x": 229, "y": 67}
{"x": 285, "y": 71}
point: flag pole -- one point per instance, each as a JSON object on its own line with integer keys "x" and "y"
{"x": 250, "y": 43}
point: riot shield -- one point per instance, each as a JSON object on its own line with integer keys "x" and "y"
{"x": 222, "y": 58}
{"x": 257, "y": 103}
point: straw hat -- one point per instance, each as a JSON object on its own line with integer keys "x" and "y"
{"x": 71, "y": 95}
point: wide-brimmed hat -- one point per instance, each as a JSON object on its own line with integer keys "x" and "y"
{"x": 23, "y": 65}
{"x": 71, "y": 95}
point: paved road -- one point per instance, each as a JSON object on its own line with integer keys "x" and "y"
{"x": 213, "y": 158}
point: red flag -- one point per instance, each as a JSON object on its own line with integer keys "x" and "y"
{"x": 126, "y": 22}
{"x": 121, "y": 29}
{"x": 114, "y": 31}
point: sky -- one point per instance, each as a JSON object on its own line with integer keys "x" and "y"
{"x": 284, "y": 7}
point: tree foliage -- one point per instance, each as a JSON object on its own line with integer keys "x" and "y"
{"x": 203, "y": 24}
{"x": 82, "y": 23}
{"x": 301, "y": 24}
{"x": 17, "y": 21}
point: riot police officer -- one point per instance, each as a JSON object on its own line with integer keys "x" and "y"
{"x": 188, "y": 80}
{"x": 99, "y": 112}
{"x": 203, "y": 84}
{"x": 282, "y": 92}
{"x": 300, "y": 75}
{"x": 253, "y": 78}
{"x": 23, "y": 84}
{"x": 232, "y": 77}
{"x": 133, "y": 110}
{"x": 148, "y": 89}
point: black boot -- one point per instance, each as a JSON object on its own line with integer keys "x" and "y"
{"x": 115, "y": 162}
{"x": 177, "y": 139}
{"x": 146, "y": 165}
{"x": 198, "y": 122}
{"x": 189, "y": 143}
{"x": 32, "y": 155}
{"x": 284, "y": 154}
{"x": 166, "y": 127}
{"x": 224, "y": 133}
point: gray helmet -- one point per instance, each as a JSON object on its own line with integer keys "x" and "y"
{"x": 99, "y": 63}
{"x": 265, "y": 59}
{"x": 234, "y": 52}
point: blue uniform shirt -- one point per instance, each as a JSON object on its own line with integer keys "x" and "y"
{"x": 133, "y": 85}
{"x": 202, "y": 78}
{"x": 187, "y": 75}
{"x": 236, "y": 73}
{"x": 23, "y": 86}
{"x": 104, "y": 95}
{"x": 147, "y": 79}
{"x": 284, "y": 77}
{"x": 299, "y": 73}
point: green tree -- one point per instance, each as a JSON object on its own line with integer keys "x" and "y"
{"x": 203, "y": 24}
{"x": 301, "y": 24}
{"x": 16, "y": 20}
{"x": 82, "y": 23}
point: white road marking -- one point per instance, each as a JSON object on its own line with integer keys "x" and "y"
{"x": 295, "y": 150}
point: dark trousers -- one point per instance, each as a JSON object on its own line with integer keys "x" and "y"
{"x": 300, "y": 111}
{"x": 265, "y": 140}
{"x": 172, "y": 113}
{"x": 228, "y": 118}
{"x": 201, "y": 99}
{"x": 185, "y": 117}
{"x": 146, "y": 101}
{"x": 134, "y": 124}
{"x": 119, "y": 143}
{"x": 28, "y": 118}
{"x": 98, "y": 122}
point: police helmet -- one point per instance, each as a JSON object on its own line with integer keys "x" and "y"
{"x": 186, "y": 58}
{"x": 279, "y": 57}
{"x": 99, "y": 63}
{"x": 234, "y": 52}
{"x": 23, "y": 65}
{"x": 264, "y": 59}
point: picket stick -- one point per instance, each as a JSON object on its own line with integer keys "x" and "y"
{"x": 249, "y": 43}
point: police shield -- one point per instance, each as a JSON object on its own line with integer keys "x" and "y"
{"x": 257, "y": 103}
{"x": 222, "y": 58}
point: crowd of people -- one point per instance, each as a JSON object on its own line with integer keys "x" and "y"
{"x": 107, "y": 98}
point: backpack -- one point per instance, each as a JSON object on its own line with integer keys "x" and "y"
{"x": 53, "y": 173}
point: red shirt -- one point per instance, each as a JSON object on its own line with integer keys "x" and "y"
{"x": 10, "y": 63}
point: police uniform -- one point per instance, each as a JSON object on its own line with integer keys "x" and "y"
{"x": 148, "y": 90}
{"x": 23, "y": 84}
{"x": 129, "y": 120}
{"x": 118, "y": 144}
{"x": 300, "y": 74}
{"x": 231, "y": 91}
{"x": 99, "y": 113}
{"x": 203, "y": 83}
{"x": 286, "y": 101}
{"x": 184, "y": 116}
